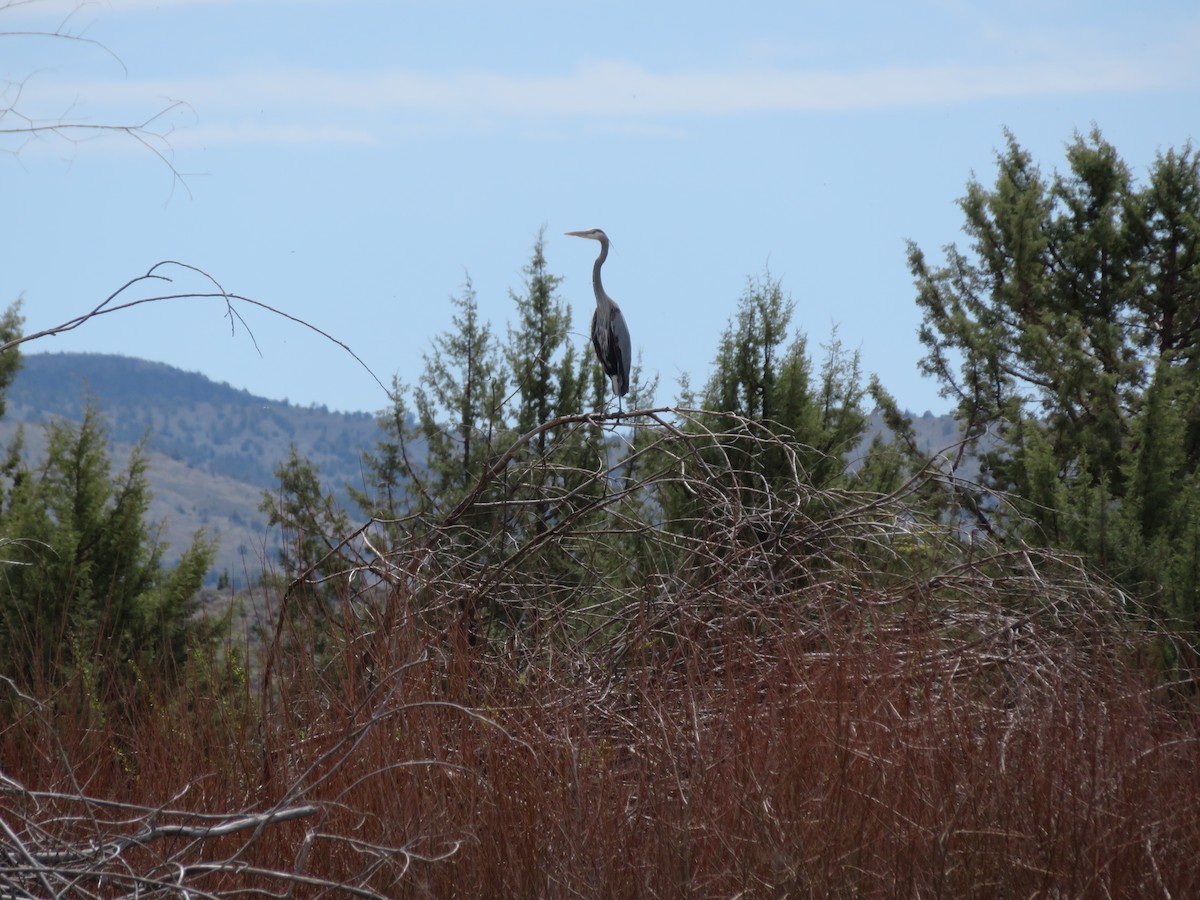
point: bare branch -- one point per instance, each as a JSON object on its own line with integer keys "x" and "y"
{"x": 111, "y": 305}
{"x": 151, "y": 132}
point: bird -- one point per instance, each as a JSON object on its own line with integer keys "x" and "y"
{"x": 610, "y": 334}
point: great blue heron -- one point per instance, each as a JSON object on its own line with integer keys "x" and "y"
{"x": 610, "y": 334}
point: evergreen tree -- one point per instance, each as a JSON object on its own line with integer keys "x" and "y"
{"x": 460, "y": 402}
{"x": 427, "y": 462}
{"x": 547, "y": 383}
{"x": 10, "y": 360}
{"x": 83, "y": 584}
{"x": 1070, "y": 331}
{"x": 760, "y": 377}
{"x": 311, "y": 522}
{"x": 394, "y": 482}
{"x": 540, "y": 359}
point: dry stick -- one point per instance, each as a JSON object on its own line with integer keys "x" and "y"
{"x": 59, "y": 34}
{"x": 241, "y": 823}
{"x": 290, "y": 877}
{"x": 32, "y": 128}
{"x": 155, "y": 832}
{"x": 381, "y": 851}
{"x": 43, "y": 864}
{"x": 31, "y": 859}
{"x": 106, "y": 308}
{"x": 140, "y": 132}
{"x": 499, "y": 466}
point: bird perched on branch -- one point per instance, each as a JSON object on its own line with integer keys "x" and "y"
{"x": 610, "y": 334}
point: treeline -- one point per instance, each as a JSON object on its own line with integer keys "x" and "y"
{"x": 515, "y": 440}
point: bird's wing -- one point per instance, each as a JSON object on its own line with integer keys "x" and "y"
{"x": 619, "y": 348}
{"x": 598, "y": 339}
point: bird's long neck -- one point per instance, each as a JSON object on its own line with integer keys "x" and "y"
{"x": 596, "y": 284}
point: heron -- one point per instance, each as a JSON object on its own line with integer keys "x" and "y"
{"x": 610, "y": 334}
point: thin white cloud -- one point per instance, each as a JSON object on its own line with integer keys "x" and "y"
{"x": 308, "y": 104}
{"x": 625, "y": 89}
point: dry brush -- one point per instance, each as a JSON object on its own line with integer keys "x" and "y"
{"x": 671, "y": 669}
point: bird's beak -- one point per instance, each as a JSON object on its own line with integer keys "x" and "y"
{"x": 574, "y": 234}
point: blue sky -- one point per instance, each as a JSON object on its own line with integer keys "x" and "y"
{"x": 352, "y": 162}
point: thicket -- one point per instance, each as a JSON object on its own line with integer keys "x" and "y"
{"x": 720, "y": 648}
{"x": 804, "y": 691}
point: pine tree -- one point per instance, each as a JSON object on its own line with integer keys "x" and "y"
{"x": 543, "y": 366}
{"x": 460, "y": 402}
{"x": 311, "y": 522}
{"x": 540, "y": 358}
{"x": 760, "y": 376}
{"x": 429, "y": 461}
{"x": 84, "y": 583}
{"x": 394, "y": 481}
{"x": 1070, "y": 330}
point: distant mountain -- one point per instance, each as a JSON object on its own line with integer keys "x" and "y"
{"x": 212, "y": 448}
{"x": 933, "y": 434}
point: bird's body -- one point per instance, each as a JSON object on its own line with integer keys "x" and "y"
{"x": 610, "y": 334}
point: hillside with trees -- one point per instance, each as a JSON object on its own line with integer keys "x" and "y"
{"x": 211, "y": 450}
{"x": 211, "y": 427}
{"x": 761, "y": 641}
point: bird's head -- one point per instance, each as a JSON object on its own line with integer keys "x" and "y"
{"x": 594, "y": 233}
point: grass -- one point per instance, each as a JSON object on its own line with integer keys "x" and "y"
{"x": 981, "y": 723}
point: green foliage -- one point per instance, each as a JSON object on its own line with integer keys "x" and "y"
{"x": 82, "y": 586}
{"x": 464, "y": 415}
{"x": 460, "y": 401}
{"x": 388, "y": 469}
{"x": 427, "y": 462}
{"x": 540, "y": 359}
{"x": 10, "y": 360}
{"x": 1069, "y": 330}
{"x": 309, "y": 517}
{"x": 498, "y": 460}
{"x": 760, "y": 377}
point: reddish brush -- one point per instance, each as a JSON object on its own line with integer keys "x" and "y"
{"x": 769, "y": 719}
